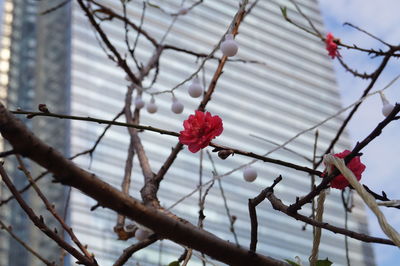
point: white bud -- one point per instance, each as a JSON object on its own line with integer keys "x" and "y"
{"x": 183, "y": 11}
{"x": 195, "y": 89}
{"x": 139, "y": 103}
{"x": 387, "y": 107}
{"x": 249, "y": 174}
{"x": 152, "y": 107}
{"x": 129, "y": 227}
{"x": 176, "y": 106}
{"x": 127, "y": 78}
{"x": 229, "y": 47}
{"x": 141, "y": 234}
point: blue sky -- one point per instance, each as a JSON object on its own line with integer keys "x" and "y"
{"x": 381, "y": 157}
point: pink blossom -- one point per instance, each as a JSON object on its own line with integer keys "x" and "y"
{"x": 331, "y": 46}
{"x": 355, "y": 165}
{"x": 199, "y": 130}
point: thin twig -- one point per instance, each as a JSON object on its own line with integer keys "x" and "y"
{"x": 97, "y": 120}
{"x": 129, "y": 251}
{"x": 277, "y": 204}
{"x": 231, "y": 218}
{"x": 347, "y": 209}
{"x": 307, "y": 18}
{"x": 39, "y": 222}
{"x": 55, "y": 7}
{"x": 355, "y": 108}
{"x": 40, "y": 176}
{"x": 52, "y": 210}
{"x": 25, "y": 245}
{"x": 284, "y": 148}
{"x": 367, "y": 33}
{"x": 360, "y": 145}
{"x": 253, "y": 214}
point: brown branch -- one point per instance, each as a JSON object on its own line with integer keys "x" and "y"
{"x": 60, "y": 5}
{"x": 6, "y": 153}
{"x": 25, "y": 245}
{"x": 100, "y": 137}
{"x": 129, "y": 251}
{"x": 39, "y": 222}
{"x": 277, "y": 204}
{"x": 67, "y": 173}
{"x": 324, "y": 184}
{"x": 24, "y": 188}
{"x": 121, "y": 62}
{"x": 97, "y": 120}
{"x": 367, "y": 33}
{"x": 265, "y": 159}
{"x": 52, "y": 210}
{"x": 177, "y": 148}
{"x": 355, "y": 108}
{"x": 126, "y": 182}
{"x": 354, "y": 72}
{"x": 382, "y": 197}
{"x": 253, "y": 213}
{"x": 113, "y": 14}
{"x": 231, "y": 218}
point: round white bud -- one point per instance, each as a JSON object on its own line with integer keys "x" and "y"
{"x": 387, "y": 109}
{"x": 139, "y": 103}
{"x": 152, "y": 107}
{"x": 127, "y": 78}
{"x": 249, "y": 174}
{"x": 141, "y": 234}
{"x": 176, "y": 107}
{"x": 229, "y": 47}
{"x": 195, "y": 89}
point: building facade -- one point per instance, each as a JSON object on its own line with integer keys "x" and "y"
{"x": 55, "y": 58}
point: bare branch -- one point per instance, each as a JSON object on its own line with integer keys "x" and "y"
{"x": 253, "y": 214}
{"x": 25, "y": 245}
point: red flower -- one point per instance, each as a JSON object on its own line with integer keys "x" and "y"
{"x": 355, "y": 165}
{"x": 331, "y": 46}
{"x": 200, "y": 129}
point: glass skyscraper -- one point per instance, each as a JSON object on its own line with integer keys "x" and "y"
{"x": 55, "y": 58}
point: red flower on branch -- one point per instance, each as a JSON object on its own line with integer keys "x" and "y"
{"x": 331, "y": 46}
{"x": 199, "y": 130}
{"x": 355, "y": 165}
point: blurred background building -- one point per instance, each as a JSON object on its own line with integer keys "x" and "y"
{"x": 55, "y": 58}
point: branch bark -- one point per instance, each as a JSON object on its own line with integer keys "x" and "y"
{"x": 67, "y": 173}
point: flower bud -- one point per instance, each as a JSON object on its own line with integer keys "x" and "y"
{"x": 195, "y": 89}
{"x": 229, "y": 47}
{"x": 223, "y": 154}
{"x": 249, "y": 174}
{"x": 176, "y": 106}
{"x": 152, "y": 107}
{"x": 141, "y": 234}
{"x": 387, "y": 107}
{"x": 139, "y": 103}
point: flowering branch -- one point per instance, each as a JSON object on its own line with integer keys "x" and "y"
{"x": 67, "y": 173}
{"x": 324, "y": 184}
